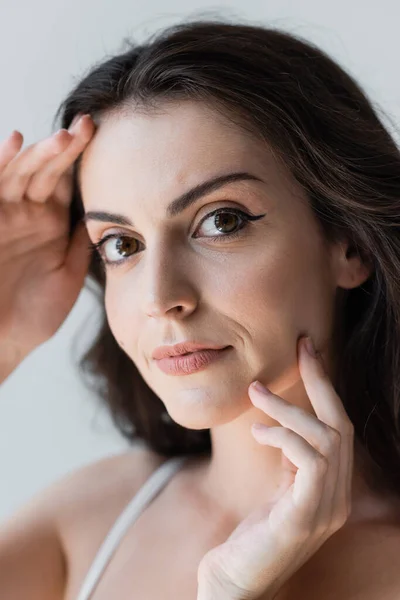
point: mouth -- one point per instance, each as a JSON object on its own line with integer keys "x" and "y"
{"x": 191, "y": 362}
{"x": 202, "y": 350}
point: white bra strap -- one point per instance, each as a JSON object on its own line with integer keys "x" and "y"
{"x": 139, "y": 502}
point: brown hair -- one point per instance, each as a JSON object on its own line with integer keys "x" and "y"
{"x": 319, "y": 122}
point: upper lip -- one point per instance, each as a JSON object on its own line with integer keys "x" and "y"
{"x": 183, "y": 348}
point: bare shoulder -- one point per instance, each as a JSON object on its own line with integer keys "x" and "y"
{"x": 97, "y": 492}
{"x": 90, "y": 499}
{"x": 359, "y": 562}
{"x": 52, "y": 536}
{"x": 379, "y": 547}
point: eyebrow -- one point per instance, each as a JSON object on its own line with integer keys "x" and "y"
{"x": 179, "y": 204}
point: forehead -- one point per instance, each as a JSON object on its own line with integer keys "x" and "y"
{"x": 163, "y": 153}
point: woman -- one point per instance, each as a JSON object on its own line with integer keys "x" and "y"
{"x": 240, "y": 194}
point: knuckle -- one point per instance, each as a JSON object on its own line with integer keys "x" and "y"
{"x": 319, "y": 465}
{"x": 287, "y": 433}
{"x": 322, "y": 371}
{"x": 49, "y": 176}
{"x": 334, "y": 437}
{"x": 330, "y": 441}
{"x": 41, "y": 186}
{"x": 302, "y": 533}
{"x": 15, "y": 175}
{"x": 299, "y": 411}
{"x": 348, "y": 428}
{"x": 339, "y": 520}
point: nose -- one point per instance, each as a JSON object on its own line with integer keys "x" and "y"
{"x": 168, "y": 286}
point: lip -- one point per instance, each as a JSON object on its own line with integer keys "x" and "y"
{"x": 182, "y": 349}
{"x": 190, "y": 363}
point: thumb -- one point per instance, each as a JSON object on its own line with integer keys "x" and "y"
{"x": 78, "y": 254}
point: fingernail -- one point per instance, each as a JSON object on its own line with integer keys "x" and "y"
{"x": 310, "y": 347}
{"x": 260, "y": 387}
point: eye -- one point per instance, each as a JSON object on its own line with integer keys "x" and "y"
{"x": 226, "y": 222}
{"x": 122, "y": 243}
{"x": 222, "y": 218}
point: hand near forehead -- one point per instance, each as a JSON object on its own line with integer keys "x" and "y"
{"x": 271, "y": 544}
{"x": 41, "y": 270}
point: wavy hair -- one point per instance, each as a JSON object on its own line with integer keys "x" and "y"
{"x": 318, "y": 121}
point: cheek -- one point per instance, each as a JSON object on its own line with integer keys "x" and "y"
{"x": 299, "y": 291}
{"x": 280, "y": 292}
{"x": 259, "y": 290}
{"x": 122, "y": 315}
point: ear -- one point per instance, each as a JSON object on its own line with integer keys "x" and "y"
{"x": 351, "y": 266}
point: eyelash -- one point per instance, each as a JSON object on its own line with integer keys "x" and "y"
{"x": 247, "y": 218}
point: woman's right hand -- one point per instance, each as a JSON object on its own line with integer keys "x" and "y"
{"x": 41, "y": 271}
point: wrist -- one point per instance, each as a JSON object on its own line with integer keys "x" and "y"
{"x": 213, "y": 585}
{"x": 208, "y": 591}
{"x": 213, "y": 589}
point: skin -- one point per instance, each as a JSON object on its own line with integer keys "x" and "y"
{"x": 258, "y": 292}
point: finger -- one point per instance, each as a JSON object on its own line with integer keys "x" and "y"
{"x": 312, "y": 466}
{"x": 44, "y": 183}
{"x": 328, "y": 509}
{"x": 10, "y": 148}
{"x": 318, "y": 434}
{"x": 335, "y": 414}
{"x": 343, "y": 492}
{"x": 62, "y": 193}
{"x": 16, "y": 175}
{"x": 323, "y": 397}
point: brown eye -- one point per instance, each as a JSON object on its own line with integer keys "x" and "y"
{"x": 121, "y": 248}
{"x": 126, "y": 245}
{"x": 226, "y": 222}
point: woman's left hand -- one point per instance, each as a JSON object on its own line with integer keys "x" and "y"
{"x": 272, "y": 543}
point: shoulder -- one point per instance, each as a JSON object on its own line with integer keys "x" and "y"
{"x": 97, "y": 492}
{"x": 84, "y": 503}
{"x": 51, "y": 538}
{"x": 90, "y": 499}
{"x": 378, "y": 571}
{"x": 359, "y": 561}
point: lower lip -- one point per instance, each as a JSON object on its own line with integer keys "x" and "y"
{"x": 190, "y": 363}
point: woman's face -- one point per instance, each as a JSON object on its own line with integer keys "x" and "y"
{"x": 257, "y": 292}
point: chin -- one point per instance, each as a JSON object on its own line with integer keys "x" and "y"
{"x": 196, "y": 411}
{"x": 201, "y": 422}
